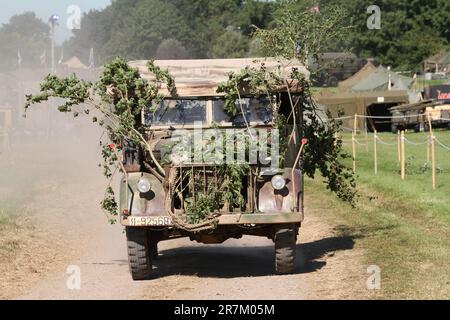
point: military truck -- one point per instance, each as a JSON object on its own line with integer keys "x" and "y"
{"x": 417, "y": 116}
{"x": 332, "y": 67}
{"x": 152, "y": 204}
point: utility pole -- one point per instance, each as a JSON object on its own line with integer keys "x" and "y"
{"x": 53, "y": 22}
{"x": 389, "y": 79}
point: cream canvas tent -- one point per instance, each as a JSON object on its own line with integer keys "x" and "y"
{"x": 364, "y": 104}
{"x": 74, "y": 63}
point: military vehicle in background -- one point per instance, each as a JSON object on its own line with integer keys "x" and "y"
{"x": 415, "y": 116}
{"x": 332, "y": 67}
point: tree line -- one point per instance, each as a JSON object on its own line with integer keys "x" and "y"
{"x": 410, "y": 31}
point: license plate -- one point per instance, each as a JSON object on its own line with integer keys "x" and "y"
{"x": 149, "y": 221}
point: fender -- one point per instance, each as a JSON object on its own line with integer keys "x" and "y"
{"x": 139, "y": 204}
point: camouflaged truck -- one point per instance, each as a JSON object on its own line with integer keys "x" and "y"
{"x": 151, "y": 202}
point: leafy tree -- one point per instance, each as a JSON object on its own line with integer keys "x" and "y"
{"x": 27, "y": 34}
{"x": 231, "y": 44}
{"x": 411, "y": 30}
{"x": 171, "y": 49}
{"x": 130, "y": 28}
{"x": 135, "y": 28}
{"x": 300, "y": 32}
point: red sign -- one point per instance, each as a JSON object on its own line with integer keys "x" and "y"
{"x": 444, "y": 96}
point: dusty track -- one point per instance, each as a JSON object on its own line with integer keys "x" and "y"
{"x": 329, "y": 266}
{"x": 70, "y": 229}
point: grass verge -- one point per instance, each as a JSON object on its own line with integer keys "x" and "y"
{"x": 403, "y": 226}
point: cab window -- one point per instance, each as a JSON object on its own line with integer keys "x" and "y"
{"x": 177, "y": 112}
{"x": 255, "y": 110}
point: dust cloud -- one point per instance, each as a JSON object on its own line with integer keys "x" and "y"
{"x": 43, "y": 145}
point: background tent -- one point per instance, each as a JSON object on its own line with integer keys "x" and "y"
{"x": 363, "y": 73}
{"x": 375, "y": 103}
{"x": 378, "y": 81}
{"x": 74, "y": 63}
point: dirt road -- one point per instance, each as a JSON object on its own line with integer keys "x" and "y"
{"x": 69, "y": 229}
{"x": 329, "y": 265}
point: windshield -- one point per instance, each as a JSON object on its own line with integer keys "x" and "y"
{"x": 177, "y": 112}
{"x": 255, "y": 110}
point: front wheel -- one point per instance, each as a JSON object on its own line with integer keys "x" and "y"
{"x": 153, "y": 246}
{"x": 139, "y": 253}
{"x": 333, "y": 82}
{"x": 285, "y": 250}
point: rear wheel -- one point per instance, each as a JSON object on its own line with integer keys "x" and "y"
{"x": 139, "y": 254}
{"x": 285, "y": 250}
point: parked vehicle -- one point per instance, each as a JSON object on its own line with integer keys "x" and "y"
{"x": 333, "y": 67}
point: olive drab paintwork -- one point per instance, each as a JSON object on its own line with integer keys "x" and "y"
{"x": 266, "y": 210}
{"x": 274, "y": 207}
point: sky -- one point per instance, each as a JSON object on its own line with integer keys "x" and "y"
{"x": 45, "y": 8}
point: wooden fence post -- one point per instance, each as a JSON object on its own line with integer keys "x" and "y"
{"x": 367, "y": 136}
{"x": 433, "y": 162}
{"x": 375, "y": 160}
{"x": 402, "y": 141}
{"x": 433, "y": 154}
{"x": 398, "y": 146}
{"x": 354, "y": 143}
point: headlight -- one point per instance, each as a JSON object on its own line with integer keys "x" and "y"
{"x": 278, "y": 182}
{"x": 144, "y": 185}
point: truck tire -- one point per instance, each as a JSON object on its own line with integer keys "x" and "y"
{"x": 139, "y": 255}
{"x": 153, "y": 245}
{"x": 417, "y": 128}
{"x": 333, "y": 82}
{"x": 285, "y": 250}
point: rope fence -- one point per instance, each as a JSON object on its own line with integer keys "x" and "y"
{"x": 415, "y": 143}
{"x": 441, "y": 144}
{"x": 385, "y": 117}
{"x": 430, "y": 142}
{"x": 383, "y": 142}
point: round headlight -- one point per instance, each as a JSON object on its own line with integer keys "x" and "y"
{"x": 278, "y": 182}
{"x": 144, "y": 185}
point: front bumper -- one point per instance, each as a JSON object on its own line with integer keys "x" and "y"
{"x": 225, "y": 219}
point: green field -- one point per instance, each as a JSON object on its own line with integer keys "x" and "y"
{"x": 403, "y": 225}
